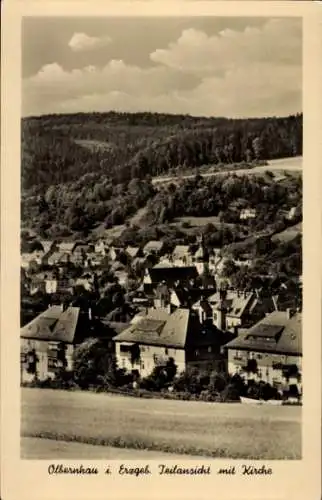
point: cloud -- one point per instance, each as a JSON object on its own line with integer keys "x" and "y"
{"x": 214, "y": 96}
{"x": 256, "y": 72}
{"x": 277, "y": 41}
{"x": 81, "y": 41}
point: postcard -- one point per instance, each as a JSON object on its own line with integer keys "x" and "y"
{"x": 161, "y": 243}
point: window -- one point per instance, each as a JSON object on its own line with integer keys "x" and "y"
{"x": 125, "y": 348}
{"x": 210, "y": 349}
{"x": 51, "y": 364}
{"x": 142, "y": 365}
{"x": 197, "y": 352}
{"x": 215, "y": 316}
{"x": 166, "y": 351}
{"x": 259, "y": 356}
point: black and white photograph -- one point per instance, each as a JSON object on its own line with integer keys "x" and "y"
{"x": 161, "y": 238}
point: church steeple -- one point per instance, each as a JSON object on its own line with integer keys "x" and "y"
{"x": 203, "y": 252}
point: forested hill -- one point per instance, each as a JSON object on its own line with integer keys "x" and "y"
{"x": 59, "y": 149}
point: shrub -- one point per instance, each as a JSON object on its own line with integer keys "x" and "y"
{"x": 230, "y": 393}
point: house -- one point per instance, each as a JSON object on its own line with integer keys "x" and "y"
{"x": 48, "y": 245}
{"x": 101, "y": 248}
{"x": 93, "y": 259}
{"x": 153, "y": 246}
{"x": 86, "y": 281}
{"x": 138, "y": 262}
{"x": 51, "y": 285}
{"x": 242, "y": 262}
{"x": 293, "y": 213}
{"x": 166, "y": 261}
{"x": 79, "y": 254}
{"x": 48, "y": 341}
{"x": 66, "y": 246}
{"x": 122, "y": 277}
{"x": 270, "y": 351}
{"x": 158, "y": 335}
{"x": 36, "y": 285}
{"x": 181, "y": 255}
{"x": 132, "y": 252}
{"x": 59, "y": 285}
{"x": 227, "y": 309}
{"x": 114, "y": 253}
{"x": 214, "y": 259}
{"x": 27, "y": 260}
{"x": 247, "y": 213}
{"x": 54, "y": 258}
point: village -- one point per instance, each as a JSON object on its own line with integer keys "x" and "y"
{"x": 157, "y": 314}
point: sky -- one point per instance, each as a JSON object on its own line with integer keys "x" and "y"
{"x": 203, "y": 66}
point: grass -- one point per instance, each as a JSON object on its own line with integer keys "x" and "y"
{"x": 187, "y": 428}
{"x": 40, "y": 448}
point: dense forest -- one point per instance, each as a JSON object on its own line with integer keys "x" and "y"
{"x": 82, "y": 169}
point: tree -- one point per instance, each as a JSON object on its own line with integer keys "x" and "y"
{"x": 161, "y": 377}
{"x": 217, "y": 382}
{"x": 92, "y": 359}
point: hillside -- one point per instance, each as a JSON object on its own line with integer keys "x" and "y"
{"x": 84, "y": 169}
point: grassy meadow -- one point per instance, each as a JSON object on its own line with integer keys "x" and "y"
{"x": 175, "y": 427}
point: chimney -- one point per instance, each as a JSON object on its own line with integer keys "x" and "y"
{"x": 221, "y": 311}
{"x": 274, "y": 299}
{"x": 221, "y": 321}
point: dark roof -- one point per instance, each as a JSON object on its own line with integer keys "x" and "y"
{"x": 208, "y": 335}
{"x": 160, "y": 329}
{"x": 275, "y": 333}
{"x": 54, "y": 324}
{"x": 171, "y": 274}
{"x": 117, "y": 326}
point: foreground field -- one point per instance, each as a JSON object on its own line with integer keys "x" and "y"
{"x": 44, "y": 449}
{"x": 190, "y": 428}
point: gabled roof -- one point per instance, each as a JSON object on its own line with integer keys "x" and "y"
{"x": 132, "y": 251}
{"x": 161, "y": 329}
{"x": 27, "y": 257}
{"x": 153, "y": 246}
{"x": 181, "y": 251}
{"x": 235, "y": 303}
{"x": 47, "y": 245}
{"x": 79, "y": 247}
{"x": 275, "y": 333}
{"x": 199, "y": 253}
{"x": 54, "y": 324}
{"x": 66, "y": 246}
{"x": 55, "y": 257}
